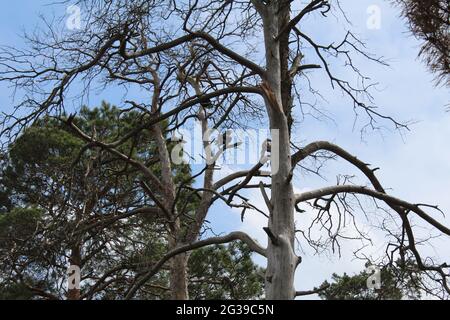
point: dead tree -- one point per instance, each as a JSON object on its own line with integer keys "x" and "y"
{"x": 183, "y": 56}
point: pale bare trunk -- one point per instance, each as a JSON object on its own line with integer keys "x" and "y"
{"x": 282, "y": 261}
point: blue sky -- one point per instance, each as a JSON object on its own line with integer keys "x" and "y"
{"x": 414, "y": 165}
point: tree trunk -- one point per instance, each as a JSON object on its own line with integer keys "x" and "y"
{"x": 282, "y": 261}
{"x": 179, "y": 277}
{"x": 178, "y": 274}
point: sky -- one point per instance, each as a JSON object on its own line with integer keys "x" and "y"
{"x": 414, "y": 165}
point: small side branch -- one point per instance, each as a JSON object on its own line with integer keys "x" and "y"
{"x": 310, "y": 292}
{"x": 265, "y": 196}
{"x": 329, "y": 191}
{"x": 312, "y": 6}
{"x": 149, "y": 192}
{"x": 273, "y": 238}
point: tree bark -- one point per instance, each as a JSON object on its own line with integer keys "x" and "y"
{"x": 178, "y": 273}
{"x": 179, "y": 277}
{"x": 178, "y": 268}
{"x": 282, "y": 261}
